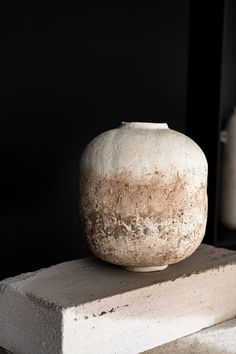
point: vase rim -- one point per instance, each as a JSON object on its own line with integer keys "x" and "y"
{"x": 144, "y": 125}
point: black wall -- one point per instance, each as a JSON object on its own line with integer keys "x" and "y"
{"x": 69, "y": 74}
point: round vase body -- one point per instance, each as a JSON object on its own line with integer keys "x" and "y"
{"x": 143, "y": 196}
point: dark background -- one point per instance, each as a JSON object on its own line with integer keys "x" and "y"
{"x": 69, "y": 74}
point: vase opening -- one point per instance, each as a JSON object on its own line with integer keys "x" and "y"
{"x": 144, "y": 125}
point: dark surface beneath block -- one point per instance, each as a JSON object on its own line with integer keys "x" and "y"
{"x": 4, "y": 351}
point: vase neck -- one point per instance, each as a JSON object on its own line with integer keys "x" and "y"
{"x": 144, "y": 125}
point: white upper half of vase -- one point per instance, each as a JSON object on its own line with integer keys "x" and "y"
{"x": 142, "y": 149}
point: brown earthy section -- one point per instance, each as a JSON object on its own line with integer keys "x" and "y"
{"x": 149, "y": 221}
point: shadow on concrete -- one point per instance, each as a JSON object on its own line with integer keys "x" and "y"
{"x": 4, "y": 351}
{"x": 186, "y": 347}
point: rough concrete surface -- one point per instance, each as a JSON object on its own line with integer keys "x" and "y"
{"x": 219, "y": 339}
{"x": 87, "y": 306}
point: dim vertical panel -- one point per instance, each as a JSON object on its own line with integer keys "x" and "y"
{"x": 226, "y": 237}
{"x": 204, "y": 82}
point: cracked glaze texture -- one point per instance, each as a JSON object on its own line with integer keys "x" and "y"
{"x": 143, "y": 199}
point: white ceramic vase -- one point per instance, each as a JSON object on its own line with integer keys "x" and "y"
{"x": 228, "y": 174}
{"x": 143, "y": 196}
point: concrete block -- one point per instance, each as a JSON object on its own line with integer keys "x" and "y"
{"x": 219, "y": 339}
{"x": 87, "y": 306}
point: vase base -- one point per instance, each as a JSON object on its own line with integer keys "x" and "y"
{"x": 145, "y": 269}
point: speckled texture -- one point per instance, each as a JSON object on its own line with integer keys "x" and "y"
{"x": 219, "y": 339}
{"x": 142, "y": 221}
{"x": 143, "y": 196}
